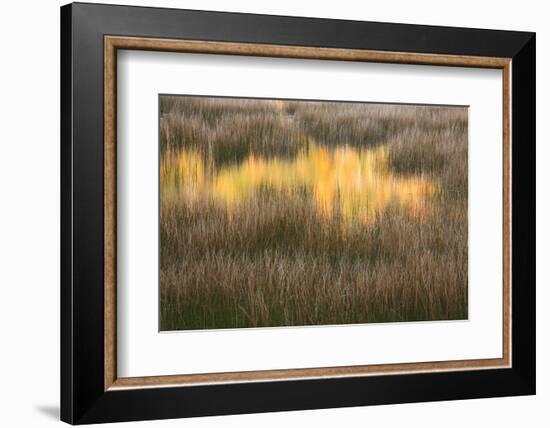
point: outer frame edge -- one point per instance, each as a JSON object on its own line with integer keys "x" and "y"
{"x": 66, "y": 305}
{"x": 524, "y": 215}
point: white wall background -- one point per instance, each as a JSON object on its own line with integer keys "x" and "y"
{"x": 29, "y": 213}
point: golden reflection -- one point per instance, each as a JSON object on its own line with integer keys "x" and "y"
{"x": 355, "y": 184}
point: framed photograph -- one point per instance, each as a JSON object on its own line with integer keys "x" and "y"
{"x": 266, "y": 213}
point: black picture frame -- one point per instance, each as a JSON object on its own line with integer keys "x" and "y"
{"x": 83, "y": 398}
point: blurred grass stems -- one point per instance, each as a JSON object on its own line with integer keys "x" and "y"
{"x": 277, "y": 213}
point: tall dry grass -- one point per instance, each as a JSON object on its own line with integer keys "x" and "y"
{"x": 272, "y": 257}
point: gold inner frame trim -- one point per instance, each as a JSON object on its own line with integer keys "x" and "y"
{"x": 113, "y": 43}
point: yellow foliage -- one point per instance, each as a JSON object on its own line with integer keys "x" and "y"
{"x": 355, "y": 184}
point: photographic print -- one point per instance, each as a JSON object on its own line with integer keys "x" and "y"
{"x": 295, "y": 212}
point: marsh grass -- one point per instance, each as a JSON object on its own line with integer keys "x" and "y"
{"x": 278, "y": 255}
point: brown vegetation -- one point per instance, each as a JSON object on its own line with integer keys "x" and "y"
{"x": 280, "y": 213}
